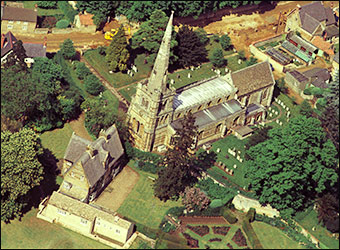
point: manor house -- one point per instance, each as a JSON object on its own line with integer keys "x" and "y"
{"x": 221, "y": 104}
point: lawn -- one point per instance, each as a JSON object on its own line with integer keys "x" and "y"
{"x": 213, "y": 45}
{"x": 273, "y": 238}
{"x": 140, "y": 243}
{"x": 142, "y": 206}
{"x": 57, "y": 140}
{"x": 118, "y": 79}
{"x": 203, "y": 241}
{"x": 128, "y": 92}
{"x": 34, "y": 233}
{"x": 42, "y": 12}
{"x": 231, "y": 142}
{"x": 233, "y": 63}
{"x": 309, "y": 220}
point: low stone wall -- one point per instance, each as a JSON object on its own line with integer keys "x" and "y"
{"x": 41, "y": 30}
{"x": 62, "y": 31}
{"x": 274, "y": 38}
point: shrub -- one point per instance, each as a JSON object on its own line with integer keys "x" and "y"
{"x": 47, "y": 4}
{"x": 102, "y": 50}
{"x": 202, "y": 34}
{"x": 81, "y": 70}
{"x": 229, "y": 245}
{"x": 67, "y": 9}
{"x": 176, "y": 211}
{"x": 200, "y": 230}
{"x": 225, "y": 42}
{"x": 147, "y": 167}
{"x": 217, "y": 58}
{"x": 252, "y": 237}
{"x": 92, "y": 85}
{"x": 216, "y": 38}
{"x": 239, "y": 238}
{"x": 216, "y": 191}
{"x": 216, "y": 203}
{"x": 62, "y": 24}
{"x": 229, "y": 216}
{"x": 191, "y": 241}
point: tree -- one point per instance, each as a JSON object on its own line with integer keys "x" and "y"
{"x": 82, "y": 71}
{"x": 194, "y": 199}
{"x": 306, "y": 109}
{"x": 20, "y": 170}
{"x": 225, "y": 42}
{"x": 182, "y": 167}
{"x": 293, "y": 165}
{"x": 217, "y": 58}
{"x": 92, "y": 85}
{"x": 252, "y": 61}
{"x": 202, "y": 35}
{"x": 280, "y": 83}
{"x": 260, "y": 135}
{"x": 328, "y": 207}
{"x": 17, "y": 57}
{"x": 117, "y": 54}
{"x": 190, "y": 50}
{"x": 47, "y": 4}
{"x": 150, "y": 34}
{"x": 62, "y": 24}
{"x": 67, "y": 49}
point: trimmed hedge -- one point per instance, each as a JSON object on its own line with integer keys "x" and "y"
{"x": 62, "y": 24}
{"x": 249, "y": 230}
{"x": 175, "y": 211}
{"x": 251, "y": 214}
{"x": 147, "y": 167}
{"x": 216, "y": 203}
{"x": 229, "y": 216}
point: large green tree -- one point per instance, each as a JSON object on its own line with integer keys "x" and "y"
{"x": 190, "y": 51}
{"x": 182, "y": 167}
{"x": 217, "y": 58}
{"x": 295, "y": 164}
{"x": 17, "y": 57}
{"x": 150, "y": 34}
{"x": 225, "y": 42}
{"x": 117, "y": 54}
{"x": 67, "y": 49}
{"x": 20, "y": 170}
{"x": 305, "y": 109}
{"x": 93, "y": 85}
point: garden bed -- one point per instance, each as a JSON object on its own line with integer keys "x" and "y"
{"x": 239, "y": 239}
{"x": 200, "y": 230}
{"x": 193, "y": 243}
{"x": 221, "y": 230}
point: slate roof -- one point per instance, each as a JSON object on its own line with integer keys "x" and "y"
{"x": 19, "y": 14}
{"x": 7, "y": 42}
{"x": 253, "y": 107}
{"x": 314, "y": 9}
{"x": 336, "y": 57}
{"x": 308, "y": 46}
{"x": 35, "y": 50}
{"x": 208, "y": 89}
{"x": 332, "y": 31}
{"x": 330, "y": 18}
{"x": 318, "y": 77}
{"x": 253, "y": 78}
{"x": 243, "y": 130}
{"x": 309, "y": 23}
{"x": 76, "y": 147}
{"x": 298, "y": 76}
{"x": 84, "y": 210}
{"x": 213, "y": 114}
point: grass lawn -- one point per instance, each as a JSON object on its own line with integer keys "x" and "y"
{"x": 77, "y": 82}
{"x": 273, "y": 238}
{"x": 128, "y": 92}
{"x": 203, "y": 241}
{"x": 233, "y": 63}
{"x": 336, "y": 47}
{"x": 34, "y": 233}
{"x": 42, "y": 12}
{"x": 142, "y": 206}
{"x": 57, "y": 140}
{"x": 118, "y": 79}
{"x": 310, "y": 220}
{"x": 213, "y": 45}
{"x": 230, "y": 141}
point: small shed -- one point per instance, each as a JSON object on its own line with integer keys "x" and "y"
{"x": 242, "y": 132}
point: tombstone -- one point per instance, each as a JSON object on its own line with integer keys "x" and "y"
{"x": 227, "y": 169}
{"x": 204, "y": 147}
{"x": 134, "y": 68}
{"x": 269, "y": 108}
{"x": 218, "y": 150}
{"x": 192, "y": 68}
{"x": 199, "y": 66}
{"x": 226, "y": 70}
{"x": 172, "y": 81}
{"x": 208, "y": 151}
{"x": 131, "y": 74}
{"x": 229, "y": 150}
{"x": 111, "y": 72}
{"x": 280, "y": 123}
{"x": 270, "y": 114}
{"x": 235, "y": 166}
{"x": 239, "y": 152}
{"x": 239, "y": 61}
{"x": 234, "y": 50}
{"x": 313, "y": 228}
{"x": 231, "y": 172}
{"x": 277, "y": 121}
{"x": 212, "y": 69}
{"x": 128, "y": 72}
{"x": 275, "y": 99}
{"x": 284, "y": 106}
{"x": 287, "y": 108}
{"x": 276, "y": 112}
{"x": 189, "y": 75}
{"x": 238, "y": 157}
{"x": 241, "y": 160}
{"x": 218, "y": 71}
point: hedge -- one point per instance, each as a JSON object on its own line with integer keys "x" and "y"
{"x": 252, "y": 237}
{"x": 229, "y": 216}
{"x": 147, "y": 167}
{"x": 67, "y": 9}
{"x": 251, "y": 214}
{"x": 175, "y": 211}
{"x": 216, "y": 203}
{"x": 62, "y": 24}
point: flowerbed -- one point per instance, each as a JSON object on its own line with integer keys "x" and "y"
{"x": 191, "y": 241}
{"x": 229, "y": 245}
{"x": 200, "y": 230}
{"x": 215, "y": 239}
{"x": 221, "y": 230}
{"x": 239, "y": 238}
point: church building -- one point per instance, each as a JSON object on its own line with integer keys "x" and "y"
{"x": 220, "y": 104}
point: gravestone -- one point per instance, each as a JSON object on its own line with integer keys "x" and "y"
{"x": 276, "y": 112}
{"x": 235, "y": 166}
{"x": 128, "y": 72}
{"x": 172, "y": 81}
{"x": 134, "y": 68}
{"x": 226, "y": 70}
{"x": 111, "y": 72}
{"x": 218, "y": 150}
{"x": 239, "y": 61}
{"x": 189, "y": 75}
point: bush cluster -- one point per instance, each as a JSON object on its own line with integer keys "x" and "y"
{"x": 147, "y": 167}
{"x": 62, "y": 24}
{"x": 67, "y": 9}
{"x": 229, "y": 216}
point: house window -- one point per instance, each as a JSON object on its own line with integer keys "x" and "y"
{"x": 10, "y": 21}
{"x": 9, "y": 27}
{"x": 25, "y": 23}
{"x": 18, "y": 22}
{"x": 83, "y": 221}
{"x": 209, "y": 103}
{"x": 219, "y": 101}
{"x": 24, "y": 27}
{"x": 178, "y": 115}
{"x": 117, "y": 231}
{"x": 62, "y": 212}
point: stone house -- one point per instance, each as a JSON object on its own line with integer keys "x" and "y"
{"x": 86, "y": 219}
{"x": 18, "y": 20}
{"x": 296, "y": 81}
{"x": 310, "y": 20}
{"x": 90, "y": 166}
{"x": 84, "y": 22}
{"x": 219, "y": 103}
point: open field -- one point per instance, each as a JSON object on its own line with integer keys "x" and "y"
{"x": 142, "y": 206}
{"x": 273, "y": 238}
{"x": 34, "y": 233}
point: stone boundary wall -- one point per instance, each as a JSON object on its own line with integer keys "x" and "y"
{"x": 41, "y": 30}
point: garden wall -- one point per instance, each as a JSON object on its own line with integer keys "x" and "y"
{"x": 243, "y": 203}
{"x": 62, "y": 31}
{"x": 41, "y": 30}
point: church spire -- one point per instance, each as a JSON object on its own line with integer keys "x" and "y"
{"x": 158, "y": 78}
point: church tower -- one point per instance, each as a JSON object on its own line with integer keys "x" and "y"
{"x": 151, "y": 110}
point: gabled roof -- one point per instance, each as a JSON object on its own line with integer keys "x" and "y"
{"x": 34, "y": 50}
{"x": 323, "y": 45}
{"x": 330, "y": 18}
{"x": 19, "y": 14}
{"x": 318, "y": 77}
{"x": 86, "y": 19}
{"x": 314, "y": 9}
{"x": 298, "y": 76}
{"x": 308, "y": 46}
{"x": 309, "y": 23}
{"x": 252, "y": 78}
{"x": 332, "y": 31}
{"x": 7, "y": 42}
{"x": 76, "y": 147}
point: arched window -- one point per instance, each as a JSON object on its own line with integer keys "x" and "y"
{"x": 235, "y": 122}
{"x": 141, "y": 130}
{"x": 218, "y": 128}
{"x": 219, "y": 101}
{"x": 199, "y": 108}
{"x": 178, "y": 115}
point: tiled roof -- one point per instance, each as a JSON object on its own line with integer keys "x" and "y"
{"x": 308, "y": 46}
{"x": 252, "y": 78}
{"x": 332, "y": 31}
{"x": 330, "y": 16}
{"x": 19, "y": 14}
{"x": 309, "y": 23}
{"x": 323, "y": 45}
{"x": 298, "y": 76}
{"x": 314, "y": 9}
{"x": 35, "y": 50}
{"x": 7, "y": 42}
{"x": 84, "y": 210}
{"x": 318, "y": 77}
{"x": 86, "y": 19}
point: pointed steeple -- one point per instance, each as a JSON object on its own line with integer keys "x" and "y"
{"x": 157, "y": 80}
